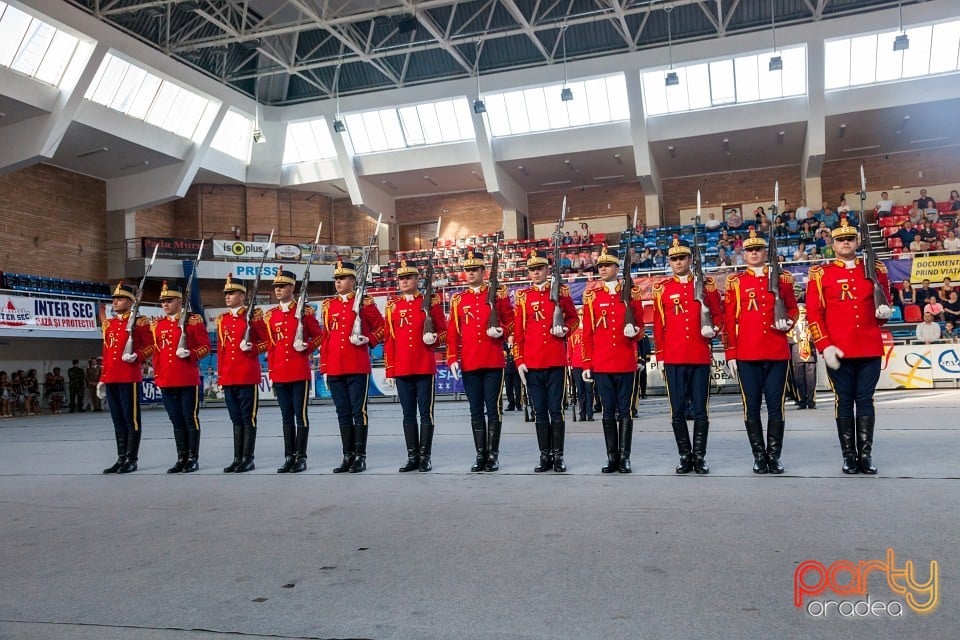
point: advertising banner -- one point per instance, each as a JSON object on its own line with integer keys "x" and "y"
{"x": 241, "y": 249}
{"x": 175, "y": 248}
{"x": 46, "y": 314}
{"x": 935, "y": 268}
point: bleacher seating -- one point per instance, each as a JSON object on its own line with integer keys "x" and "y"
{"x": 912, "y": 313}
{"x": 56, "y": 286}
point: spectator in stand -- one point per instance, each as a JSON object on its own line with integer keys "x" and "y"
{"x": 764, "y": 229}
{"x": 5, "y": 411}
{"x": 567, "y": 239}
{"x": 952, "y": 242}
{"x": 823, "y": 239}
{"x": 902, "y": 295}
{"x": 930, "y": 212}
{"x": 780, "y": 226}
{"x": 800, "y": 255}
{"x": 954, "y": 201}
{"x": 814, "y": 255}
{"x": 576, "y": 237}
{"x": 712, "y": 224}
{"x": 827, "y": 250}
{"x": 884, "y": 205}
{"x": 791, "y": 222}
{"x": 918, "y": 245}
{"x": 18, "y": 393}
{"x": 924, "y": 292}
{"x": 930, "y": 236}
{"x": 916, "y": 213}
{"x": 928, "y": 331}
{"x": 950, "y": 332}
{"x": 737, "y": 241}
{"x": 659, "y": 261}
{"x": 906, "y": 233}
{"x": 829, "y": 217}
{"x": 945, "y": 289}
{"x": 723, "y": 260}
{"x": 842, "y": 208}
{"x": 33, "y": 393}
{"x": 759, "y": 215}
{"x": 806, "y": 232}
{"x": 924, "y": 202}
{"x": 934, "y": 308}
{"x": 802, "y": 212}
{"x": 645, "y": 262}
{"x": 737, "y": 257}
{"x": 951, "y": 308}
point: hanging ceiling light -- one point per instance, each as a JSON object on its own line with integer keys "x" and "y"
{"x": 672, "y": 79}
{"x": 338, "y": 125}
{"x": 257, "y": 133}
{"x": 901, "y": 42}
{"x": 776, "y": 62}
{"x": 478, "y": 105}
{"x": 566, "y": 94}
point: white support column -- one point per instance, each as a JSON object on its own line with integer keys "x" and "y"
{"x": 163, "y": 183}
{"x": 815, "y": 145}
{"x": 370, "y": 198}
{"x": 504, "y": 189}
{"x": 643, "y": 159}
{"x": 266, "y": 158}
{"x": 121, "y": 228}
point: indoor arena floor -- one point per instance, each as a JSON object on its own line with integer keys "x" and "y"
{"x": 450, "y": 554}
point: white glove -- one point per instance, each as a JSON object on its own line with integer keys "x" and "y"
{"x": 708, "y": 332}
{"x": 102, "y": 390}
{"x": 299, "y": 345}
{"x": 832, "y": 355}
{"x": 495, "y": 332}
{"x": 183, "y": 353}
{"x": 522, "y": 370}
{"x": 429, "y": 338}
{"x": 559, "y": 331}
{"x": 630, "y": 331}
{"x": 783, "y": 324}
{"x": 884, "y": 312}
{"x": 129, "y": 357}
{"x": 732, "y": 367}
{"x": 325, "y": 381}
{"x": 455, "y": 370}
{"x": 587, "y": 375}
{"x": 359, "y": 340}
{"x": 245, "y": 346}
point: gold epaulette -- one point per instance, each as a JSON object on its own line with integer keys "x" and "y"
{"x": 143, "y": 321}
{"x": 521, "y": 296}
{"x": 391, "y": 302}
{"x": 815, "y": 272}
{"x": 195, "y": 319}
{"x": 710, "y": 284}
{"x": 589, "y": 295}
{"x": 435, "y": 299}
{"x": 564, "y": 290}
{"x": 881, "y": 268}
{"x": 636, "y": 293}
{"x": 786, "y": 277}
{"x": 502, "y": 292}
{"x": 308, "y": 310}
{"x": 258, "y": 313}
{"x": 367, "y": 300}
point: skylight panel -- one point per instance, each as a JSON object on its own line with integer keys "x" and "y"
{"x": 412, "y": 129}
{"x": 234, "y": 136}
{"x": 13, "y": 27}
{"x": 33, "y": 47}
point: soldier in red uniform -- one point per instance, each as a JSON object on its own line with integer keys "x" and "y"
{"x": 121, "y": 377}
{"x": 238, "y": 371}
{"x": 683, "y": 346}
{"x": 845, "y": 326}
{"x": 409, "y": 354}
{"x": 757, "y": 350}
{"x": 345, "y": 362}
{"x": 475, "y": 351}
{"x": 288, "y": 360}
{"x": 610, "y": 357}
{"x": 177, "y": 374}
{"x": 575, "y": 356}
{"x": 539, "y": 349}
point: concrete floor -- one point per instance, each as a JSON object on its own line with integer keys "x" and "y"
{"x": 451, "y": 554}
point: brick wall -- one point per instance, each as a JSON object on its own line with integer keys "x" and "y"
{"x": 53, "y": 223}
{"x": 583, "y": 204}
{"x": 908, "y": 171}
{"x": 159, "y": 221}
{"x": 733, "y": 188}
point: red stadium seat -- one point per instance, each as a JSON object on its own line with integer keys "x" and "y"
{"x": 886, "y": 232}
{"x": 648, "y": 315}
{"x": 899, "y": 210}
{"x": 896, "y": 253}
{"x": 912, "y": 313}
{"x": 943, "y": 207}
{"x": 894, "y": 243}
{"x": 889, "y": 221}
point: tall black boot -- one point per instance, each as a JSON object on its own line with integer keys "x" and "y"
{"x": 755, "y": 437}
{"x": 558, "y": 431}
{"x": 426, "y": 446}
{"x": 133, "y": 453}
{"x": 193, "y": 451}
{"x": 411, "y": 435}
{"x": 479, "y": 429}
{"x": 848, "y": 445}
{"x": 700, "y": 430}
{"x": 865, "y": 444}
{"x": 774, "y": 445}
{"x": 360, "y": 447}
{"x": 611, "y": 439}
{"x": 493, "y": 445}
{"x": 682, "y": 436}
{"x": 249, "y": 444}
{"x": 347, "y": 443}
{"x": 121, "y": 436}
{"x": 289, "y": 448}
{"x": 180, "y": 438}
{"x": 300, "y": 464}
{"x": 543, "y": 443}
{"x": 626, "y": 443}
{"x": 237, "y": 449}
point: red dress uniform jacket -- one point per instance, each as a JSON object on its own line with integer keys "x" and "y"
{"x": 235, "y": 366}
{"x": 841, "y": 311}
{"x": 169, "y": 370}
{"x": 339, "y": 356}
{"x": 748, "y": 317}
{"x": 676, "y": 321}
{"x": 533, "y": 344}
{"x": 575, "y": 349}
{"x": 404, "y": 351}
{"x": 115, "y": 335}
{"x": 467, "y": 329}
{"x": 605, "y": 348}
{"x": 286, "y": 364}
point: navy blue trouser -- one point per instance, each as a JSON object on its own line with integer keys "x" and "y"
{"x": 416, "y": 393}
{"x": 123, "y": 400}
{"x": 483, "y": 388}
{"x": 242, "y": 400}
{"x": 349, "y": 395}
{"x": 182, "y": 405}
{"x": 616, "y": 392}
{"x": 854, "y": 384}
{"x": 292, "y": 398}
{"x": 687, "y": 383}
{"x": 762, "y": 380}
{"x": 584, "y": 393}
{"x": 546, "y": 388}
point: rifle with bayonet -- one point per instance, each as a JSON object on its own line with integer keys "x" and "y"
{"x": 252, "y": 297}
{"x": 493, "y": 321}
{"x": 699, "y": 279}
{"x": 135, "y": 310}
{"x": 428, "y": 285}
{"x": 362, "y": 274}
{"x": 774, "y": 271}
{"x": 869, "y": 255}
{"x": 627, "y": 287}
{"x": 302, "y": 300}
{"x": 555, "y": 285}
{"x": 187, "y": 294}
